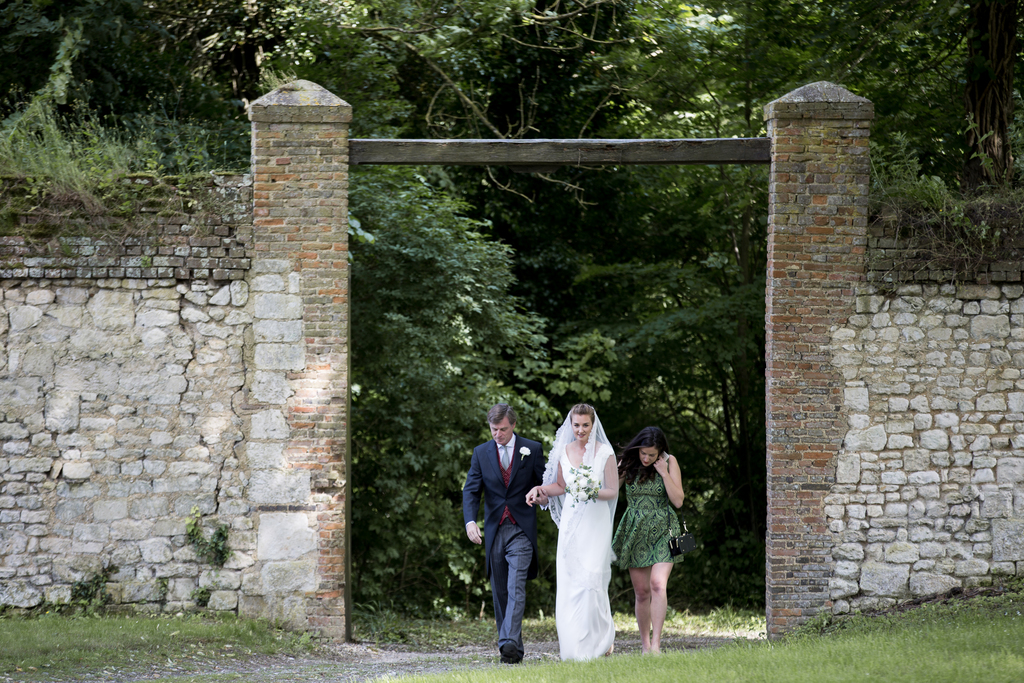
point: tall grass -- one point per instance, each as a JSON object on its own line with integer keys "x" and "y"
{"x": 937, "y": 227}
{"x": 58, "y": 168}
{"x": 80, "y": 151}
{"x": 72, "y": 154}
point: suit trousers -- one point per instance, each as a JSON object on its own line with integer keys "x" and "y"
{"x": 511, "y": 554}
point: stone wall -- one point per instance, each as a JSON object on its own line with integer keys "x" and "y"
{"x": 929, "y": 487}
{"x": 200, "y": 366}
{"x": 116, "y": 396}
{"x": 895, "y": 412}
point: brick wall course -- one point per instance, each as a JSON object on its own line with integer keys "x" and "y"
{"x": 888, "y": 249}
{"x": 179, "y": 246}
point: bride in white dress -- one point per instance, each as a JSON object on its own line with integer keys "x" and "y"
{"x": 581, "y": 482}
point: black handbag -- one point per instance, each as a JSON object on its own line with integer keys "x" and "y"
{"x": 680, "y": 545}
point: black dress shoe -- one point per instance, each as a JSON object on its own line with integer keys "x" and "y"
{"x": 510, "y": 654}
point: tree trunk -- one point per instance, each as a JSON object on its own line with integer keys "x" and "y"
{"x": 988, "y": 97}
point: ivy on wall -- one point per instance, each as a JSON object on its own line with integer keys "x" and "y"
{"x": 214, "y": 549}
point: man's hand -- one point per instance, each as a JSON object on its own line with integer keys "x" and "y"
{"x": 473, "y": 532}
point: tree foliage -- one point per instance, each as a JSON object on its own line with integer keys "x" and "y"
{"x": 433, "y": 328}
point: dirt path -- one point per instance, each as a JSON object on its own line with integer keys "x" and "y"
{"x": 351, "y": 662}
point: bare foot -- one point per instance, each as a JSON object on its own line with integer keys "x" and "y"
{"x": 610, "y": 650}
{"x": 654, "y": 651}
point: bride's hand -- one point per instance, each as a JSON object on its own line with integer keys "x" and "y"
{"x": 534, "y": 496}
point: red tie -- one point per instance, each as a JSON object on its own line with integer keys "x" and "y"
{"x": 506, "y": 475}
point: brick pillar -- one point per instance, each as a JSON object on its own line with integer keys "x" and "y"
{"x": 298, "y": 359}
{"x": 817, "y": 232}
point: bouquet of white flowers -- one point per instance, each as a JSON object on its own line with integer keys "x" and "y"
{"x": 585, "y": 486}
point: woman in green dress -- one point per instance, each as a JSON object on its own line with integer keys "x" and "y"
{"x": 640, "y": 544}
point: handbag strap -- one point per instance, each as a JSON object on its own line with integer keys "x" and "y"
{"x": 682, "y": 517}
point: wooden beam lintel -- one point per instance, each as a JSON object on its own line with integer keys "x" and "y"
{"x": 551, "y": 153}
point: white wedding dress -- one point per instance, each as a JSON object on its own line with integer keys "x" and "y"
{"x": 583, "y": 613}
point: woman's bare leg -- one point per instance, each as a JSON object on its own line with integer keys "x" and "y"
{"x": 641, "y": 577}
{"x": 658, "y": 581}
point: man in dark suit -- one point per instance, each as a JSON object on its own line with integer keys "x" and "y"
{"x": 505, "y": 470}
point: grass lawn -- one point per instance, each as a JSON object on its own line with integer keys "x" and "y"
{"x": 53, "y": 646}
{"x": 981, "y": 639}
{"x": 977, "y": 640}
{"x": 988, "y": 648}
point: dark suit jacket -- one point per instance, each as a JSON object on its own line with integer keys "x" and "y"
{"x": 485, "y": 477}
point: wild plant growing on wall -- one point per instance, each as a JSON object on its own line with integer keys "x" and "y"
{"x": 935, "y": 227}
{"x": 213, "y": 549}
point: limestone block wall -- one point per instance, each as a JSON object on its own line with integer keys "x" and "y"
{"x": 202, "y": 366}
{"x": 929, "y": 483}
{"x": 117, "y": 411}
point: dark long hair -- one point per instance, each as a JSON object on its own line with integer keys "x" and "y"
{"x": 630, "y": 466}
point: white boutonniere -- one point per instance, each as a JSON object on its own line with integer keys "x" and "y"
{"x": 523, "y": 452}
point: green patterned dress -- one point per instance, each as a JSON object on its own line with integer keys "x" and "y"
{"x": 649, "y": 521}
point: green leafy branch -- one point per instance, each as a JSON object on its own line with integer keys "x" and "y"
{"x": 983, "y": 158}
{"x": 201, "y": 596}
